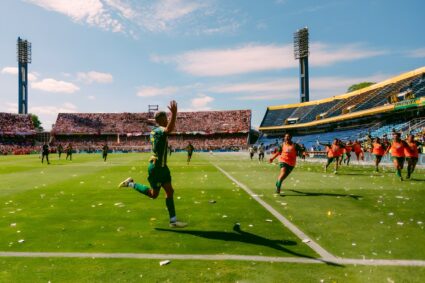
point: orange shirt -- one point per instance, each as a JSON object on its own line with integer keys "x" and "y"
{"x": 348, "y": 148}
{"x": 334, "y": 151}
{"x": 289, "y": 154}
{"x": 357, "y": 148}
{"x": 378, "y": 149}
{"x": 397, "y": 149}
{"x": 412, "y": 151}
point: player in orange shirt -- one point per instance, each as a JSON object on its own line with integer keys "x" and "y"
{"x": 412, "y": 154}
{"x": 347, "y": 152}
{"x": 397, "y": 153}
{"x": 357, "y": 148}
{"x": 287, "y": 153}
{"x": 334, "y": 152}
{"x": 378, "y": 149}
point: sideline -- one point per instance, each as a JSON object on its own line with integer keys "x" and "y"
{"x": 343, "y": 261}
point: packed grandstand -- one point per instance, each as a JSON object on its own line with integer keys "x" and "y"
{"x": 206, "y": 130}
{"x": 396, "y": 104}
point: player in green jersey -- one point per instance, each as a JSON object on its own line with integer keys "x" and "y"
{"x": 158, "y": 172}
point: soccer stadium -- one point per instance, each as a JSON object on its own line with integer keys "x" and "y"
{"x": 229, "y": 161}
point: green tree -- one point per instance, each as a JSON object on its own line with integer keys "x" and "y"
{"x": 36, "y": 122}
{"x": 359, "y": 86}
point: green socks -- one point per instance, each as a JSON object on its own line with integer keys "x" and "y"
{"x": 278, "y": 184}
{"x": 141, "y": 188}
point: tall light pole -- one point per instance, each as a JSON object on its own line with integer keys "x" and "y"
{"x": 23, "y": 52}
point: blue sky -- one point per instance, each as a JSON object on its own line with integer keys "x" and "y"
{"x": 122, "y": 55}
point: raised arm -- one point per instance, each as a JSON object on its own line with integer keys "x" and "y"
{"x": 172, "y": 123}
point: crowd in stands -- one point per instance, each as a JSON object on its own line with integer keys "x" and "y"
{"x": 11, "y": 124}
{"x": 405, "y": 89}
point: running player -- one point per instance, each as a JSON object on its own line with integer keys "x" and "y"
{"x": 357, "y": 148}
{"x": 190, "y": 150}
{"x": 378, "y": 149}
{"x": 287, "y": 153}
{"x": 333, "y": 153}
{"x": 158, "y": 172}
{"x": 69, "y": 151}
{"x": 251, "y": 152}
{"x": 105, "y": 150}
{"x": 60, "y": 150}
{"x": 397, "y": 153}
{"x": 45, "y": 153}
{"x": 348, "y": 148}
{"x": 412, "y": 154}
{"x": 261, "y": 152}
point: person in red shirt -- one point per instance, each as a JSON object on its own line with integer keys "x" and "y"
{"x": 378, "y": 149}
{"x": 412, "y": 154}
{"x": 357, "y": 148}
{"x": 287, "y": 153}
{"x": 397, "y": 149}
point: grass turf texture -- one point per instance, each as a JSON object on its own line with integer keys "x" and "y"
{"x": 76, "y": 207}
{"x": 355, "y": 214}
{"x": 120, "y": 270}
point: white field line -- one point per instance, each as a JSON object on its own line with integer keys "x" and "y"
{"x": 370, "y": 262}
{"x": 294, "y": 229}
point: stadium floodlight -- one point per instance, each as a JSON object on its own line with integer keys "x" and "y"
{"x": 301, "y": 43}
{"x": 23, "y": 52}
{"x": 301, "y": 53}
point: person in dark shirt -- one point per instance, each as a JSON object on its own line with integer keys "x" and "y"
{"x": 60, "y": 150}
{"x": 45, "y": 153}
{"x": 105, "y": 150}
{"x": 190, "y": 150}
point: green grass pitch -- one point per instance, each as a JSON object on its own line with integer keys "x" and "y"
{"x": 76, "y": 207}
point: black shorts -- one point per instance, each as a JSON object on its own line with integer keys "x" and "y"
{"x": 412, "y": 159}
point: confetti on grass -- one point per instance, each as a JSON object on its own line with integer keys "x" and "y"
{"x": 164, "y": 262}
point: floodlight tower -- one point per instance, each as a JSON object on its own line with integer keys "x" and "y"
{"x": 301, "y": 52}
{"x": 23, "y": 52}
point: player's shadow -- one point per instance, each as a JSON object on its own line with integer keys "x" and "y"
{"x": 310, "y": 194}
{"x": 239, "y": 235}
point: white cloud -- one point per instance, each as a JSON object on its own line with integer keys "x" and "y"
{"x": 10, "y": 70}
{"x": 165, "y": 13}
{"x": 14, "y": 71}
{"x": 201, "y": 103}
{"x": 94, "y": 76}
{"x": 52, "y": 110}
{"x": 52, "y": 85}
{"x": 257, "y": 58}
{"x": 417, "y": 53}
{"x": 320, "y": 87}
{"x": 149, "y": 91}
{"x": 323, "y": 54}
{"x": 11, "y": 107}
{"x": 92, "y": 12}
{"x": 91, "y": 97}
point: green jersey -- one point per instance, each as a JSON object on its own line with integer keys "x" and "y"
{"x": 159, "y": 143}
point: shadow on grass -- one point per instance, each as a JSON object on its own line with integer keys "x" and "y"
{"x": 245, "y": 237}
{"x": 309, "y": 194}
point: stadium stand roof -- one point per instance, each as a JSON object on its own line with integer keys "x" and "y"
{"x": 378, "y": 98}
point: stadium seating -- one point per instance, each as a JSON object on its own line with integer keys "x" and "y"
{"x": 206, "y": 130}
{"x": 277, "y": 117}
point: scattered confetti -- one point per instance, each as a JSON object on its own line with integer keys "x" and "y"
{"x": 21, "y": 241}
{"x": 164, "y": 262}
{"x": 306, "y": 241}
